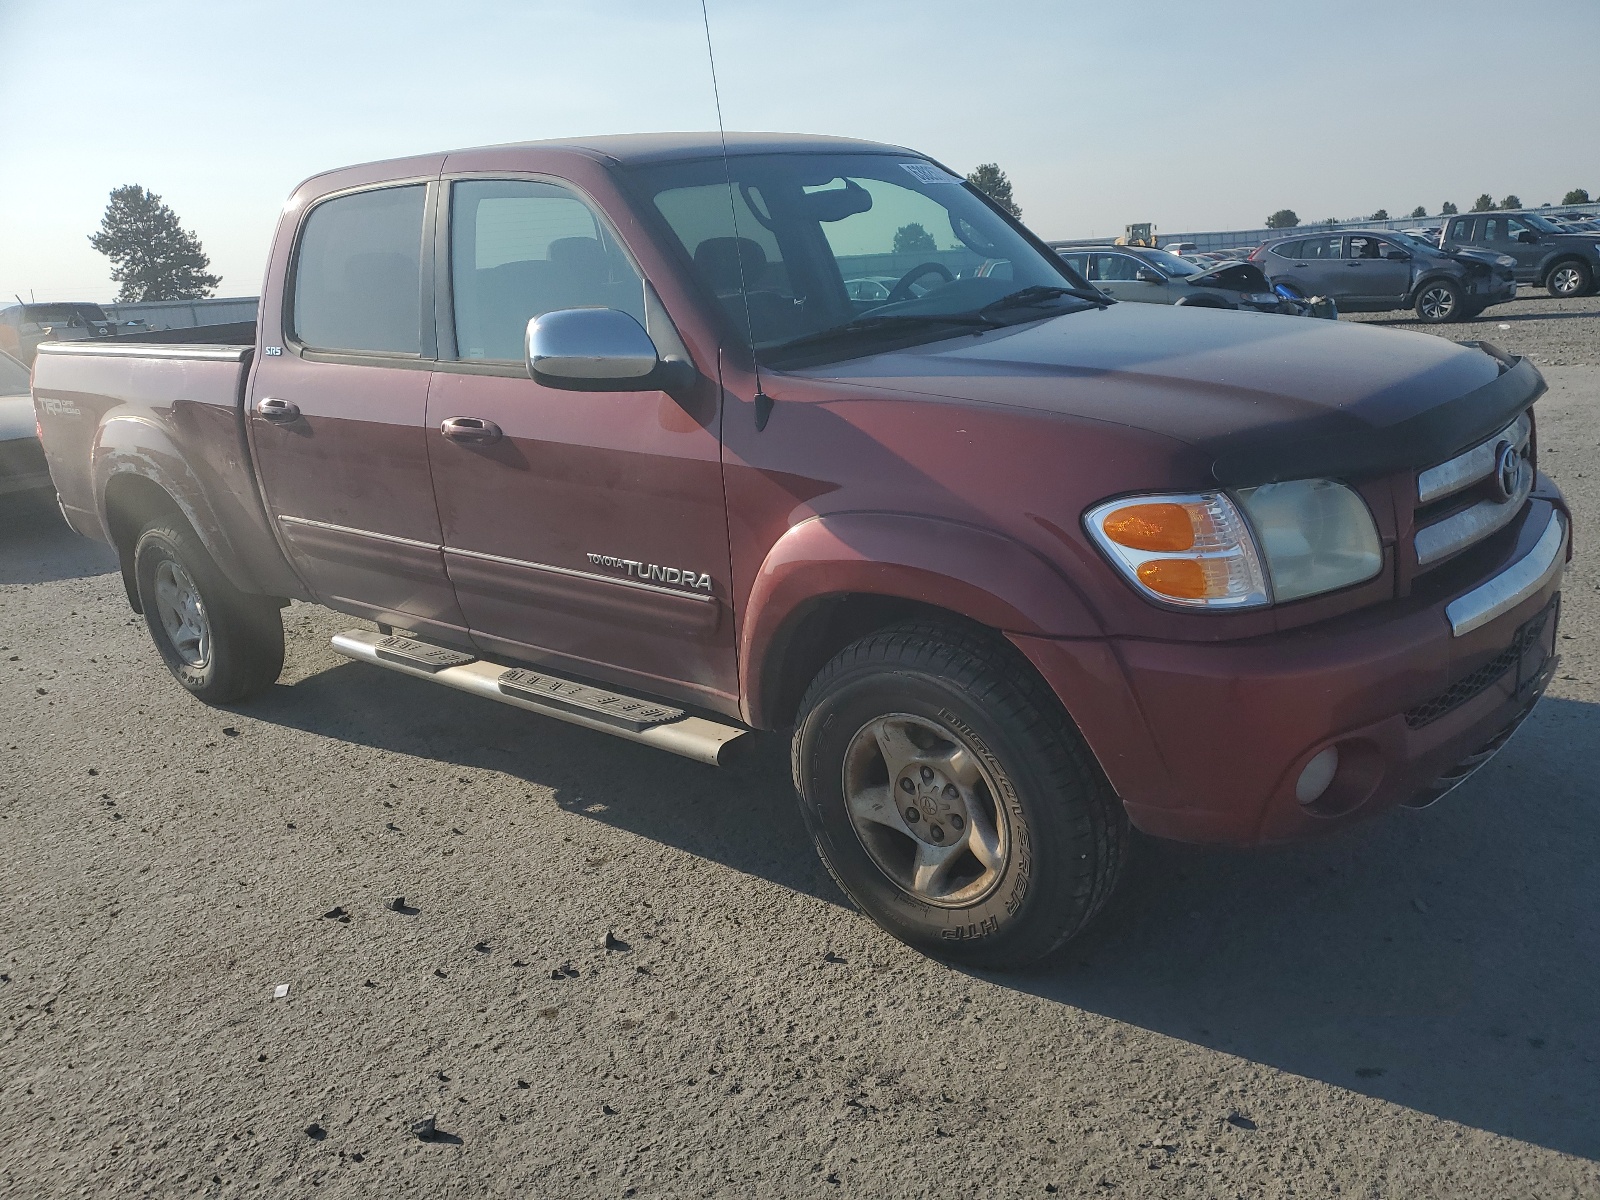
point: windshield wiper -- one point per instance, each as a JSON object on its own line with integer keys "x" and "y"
{"x": 1039, "y": 292}
{"x": 868, "y": 324}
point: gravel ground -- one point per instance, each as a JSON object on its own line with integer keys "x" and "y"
{"x": 1554, "y": 333}
{"x": 1407, "y": 1009}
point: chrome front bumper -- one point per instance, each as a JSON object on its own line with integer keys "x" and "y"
{"x": 1523, "y": 578}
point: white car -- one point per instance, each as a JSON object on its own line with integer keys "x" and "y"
{"x": 22, "y": 465}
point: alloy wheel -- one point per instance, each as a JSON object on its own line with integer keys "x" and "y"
{"x": 182, "y": 613}
{"x": 926, "y": 810}
{"x": 1566, "y": 280}
{"x": 1437, "y": 303}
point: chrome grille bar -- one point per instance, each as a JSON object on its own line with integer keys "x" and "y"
{"x": 1471, "y": 525}
{"x": 1472, "y": 466}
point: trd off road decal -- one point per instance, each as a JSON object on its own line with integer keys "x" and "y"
{"x": 652, "y": 573}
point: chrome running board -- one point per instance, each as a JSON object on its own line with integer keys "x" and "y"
{"x": 549, "y": 695}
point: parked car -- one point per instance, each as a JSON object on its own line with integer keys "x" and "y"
{"x": 1383, "y": 270}
{"x": 1149, "y": 276}
{"x": 1562, "y": 262}
{"x": 22, "y": 465}
{"x": 24, "y": 326}
{"x": 1012, "y": 564}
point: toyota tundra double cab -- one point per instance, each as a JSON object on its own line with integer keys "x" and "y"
{"x": 597, "y": 429}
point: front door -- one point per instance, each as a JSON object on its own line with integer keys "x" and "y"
{"x": 337, "y": 413}
{"x": 1370, "y": 274}
{"x": 1118, "y": 276}
{"x": 582, "y": 530}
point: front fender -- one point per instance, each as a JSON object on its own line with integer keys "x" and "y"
{"x": 977, "y": 573}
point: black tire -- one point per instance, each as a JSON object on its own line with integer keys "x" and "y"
{"x": 241, "y": 652}
{"x": 1066, "y": 834}
{"x": 1439, "y": 301}
{"x": 1568, "y": 278}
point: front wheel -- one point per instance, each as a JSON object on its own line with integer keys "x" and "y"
{"x": 220, "y": 643}
{"x": 1439, "y": 301}
{"x": 950, "y": 797}
{"x": 1568, "y": 279}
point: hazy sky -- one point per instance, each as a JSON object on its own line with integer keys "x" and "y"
{"x": 1196, "y": 114}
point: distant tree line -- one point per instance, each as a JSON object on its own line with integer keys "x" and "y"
{"x": 1286, "y": 218}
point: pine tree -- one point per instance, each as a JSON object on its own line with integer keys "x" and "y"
{"x": 1484, "y": 203}
{"x": 1419, "y": 211}
{"x": 153, "y": 257}
{"x": 1381, "y": 215}
{"x": 1447, "y": 209}
{"x": 1511, "y": 201}
{"x": 992, "y": 182}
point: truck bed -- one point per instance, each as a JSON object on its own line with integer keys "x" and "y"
{"x": 118, "y": 416}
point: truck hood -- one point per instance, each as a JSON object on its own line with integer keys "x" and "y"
{"x": 1215, "y": 379}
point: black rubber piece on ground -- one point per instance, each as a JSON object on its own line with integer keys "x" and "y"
{"x": 1070, "y": 833}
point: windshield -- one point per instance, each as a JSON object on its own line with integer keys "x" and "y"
{"x": 877, "y": 248}
{"x": 1416, "y": 239}
{"x": 13, "y": 376}
{"x": 1538, "y": 222}
{"x": 1170, "y": 262}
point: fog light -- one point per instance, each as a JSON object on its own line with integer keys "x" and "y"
{"x": 1319, "y": 773}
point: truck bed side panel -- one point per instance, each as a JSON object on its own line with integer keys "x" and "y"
{"x": 174, "y": 416}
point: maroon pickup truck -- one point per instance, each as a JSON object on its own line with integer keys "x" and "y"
{"x": 613, "y": 431}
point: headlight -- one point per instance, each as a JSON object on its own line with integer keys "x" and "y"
{"x": 1291, "y": 540}
{"x": 1505, "y": 260}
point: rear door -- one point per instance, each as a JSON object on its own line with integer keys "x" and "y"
{"x": 338, "y": 410}
{"x": 586, "y": 530}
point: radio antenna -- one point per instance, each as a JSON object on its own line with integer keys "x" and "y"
{"x": 763, "y": 402}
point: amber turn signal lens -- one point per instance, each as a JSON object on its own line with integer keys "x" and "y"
{"x": 1180, "y": 578}
{"x": 1159, "y": 527}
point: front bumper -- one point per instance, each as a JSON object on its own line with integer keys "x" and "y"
{"x": 1205, "y": 742}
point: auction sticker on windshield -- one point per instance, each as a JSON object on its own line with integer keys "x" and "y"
{"x": 927, "y": 173}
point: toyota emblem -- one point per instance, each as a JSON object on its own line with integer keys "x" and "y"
{"x": 1507, "y": 470}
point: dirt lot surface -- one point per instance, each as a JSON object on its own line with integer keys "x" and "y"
{"x": 1554, "y": 333}
{"x": 1410, "y": 1009}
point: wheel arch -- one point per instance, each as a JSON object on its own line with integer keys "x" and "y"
{"x": 831, "y": 580}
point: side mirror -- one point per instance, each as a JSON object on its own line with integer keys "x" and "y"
{"x": 1397, "y": 256}
{"x": 1528, "y": 238}
{"x": 598, "y": 350}
{"x": 1146, "y": 275}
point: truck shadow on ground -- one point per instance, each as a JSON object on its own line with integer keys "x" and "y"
{"x": 1446, "y": 960}
{"x": 37, "y": 547}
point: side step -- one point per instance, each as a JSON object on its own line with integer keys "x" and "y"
{"x": 550, "y": 695}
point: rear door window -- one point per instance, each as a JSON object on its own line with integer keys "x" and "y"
{"x": 1116, "y": 268}
{"x": 1320, "y": 247}
{"x": 358, "y": 273}
{"x": 520, "y": 249}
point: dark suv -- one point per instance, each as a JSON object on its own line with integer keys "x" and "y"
{"x": 1379, "y": 270}
{"x": 1565, "y": 263}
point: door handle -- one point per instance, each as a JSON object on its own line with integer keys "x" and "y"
{"x": 279, "y": 412}
{"x": 470, "y": 431}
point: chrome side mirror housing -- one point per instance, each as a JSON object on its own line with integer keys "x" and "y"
{"x": 591, "y": 350}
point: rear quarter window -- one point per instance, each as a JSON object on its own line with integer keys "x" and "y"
{"x": 358, "y": 273}
{"x": 1288, "y": 249}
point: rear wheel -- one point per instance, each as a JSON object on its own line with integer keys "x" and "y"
{"x": 220, "y": 643}
{"x": 952, "y": 800}
{"x": 1570, "y": 278}
{"x": 1439, "y": 301}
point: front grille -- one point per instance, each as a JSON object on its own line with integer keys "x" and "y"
{"x": 1474, "y": 495}
{"x": 1485, "y": 677}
